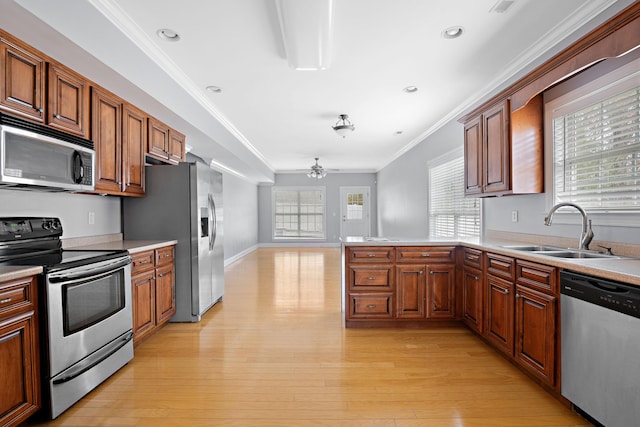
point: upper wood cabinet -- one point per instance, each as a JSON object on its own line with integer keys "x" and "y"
{"x": 503, "y": 150}
{"x": 68, "y": 106}
{"x": 118, "y": 131}
{"x": 165, "y": 144}
{"x": 22, "y": 79}
{"x": 106, "y": 133}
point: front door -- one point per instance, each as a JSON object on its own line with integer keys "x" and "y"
{"x": 354, "y": 211}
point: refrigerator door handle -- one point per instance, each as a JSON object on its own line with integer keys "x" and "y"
{"x": 213, "y": 220}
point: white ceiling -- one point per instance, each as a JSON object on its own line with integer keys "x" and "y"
{"x": 271, "y": 118}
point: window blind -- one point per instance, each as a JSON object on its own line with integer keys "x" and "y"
{"x": 450, "y": 213}
{"x": 298, "y": 214}
{"x": 597, "y": 154}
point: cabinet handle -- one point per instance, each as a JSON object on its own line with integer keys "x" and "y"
{"x": 144, "y": 261}
{"x": 40, "y": 110}
{"x": 506, "y": 292}
{"x": 431, "y": 272}
{"x": 371, "y": 278}
{"x": 425, "y": 255}
{"x": 420, "y": 272}
{"x": 4, "y": 301}
{"x": 57, "y": 116}
{"x": 517, "y": 295}
{"x": 162, "y": 275}
{"x": 371, "y": 255}
{"x": 371, "y": 306}
{"x": 475, "y": 277}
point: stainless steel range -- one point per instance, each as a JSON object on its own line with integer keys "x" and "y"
{"x": 85, "y": 308}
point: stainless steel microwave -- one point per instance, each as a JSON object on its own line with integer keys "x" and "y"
{"x": 33, "y": 156}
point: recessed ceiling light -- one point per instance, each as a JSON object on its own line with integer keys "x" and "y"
{"x": 168, "y": 34}
{"x": 453, "y": 32}
{"x": 410, "y": 89}
{"x": 398, "y": 132}
{"x": 214, "y": 89}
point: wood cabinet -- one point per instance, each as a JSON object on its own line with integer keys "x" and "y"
{"x": 153, "y": 291}
{"x": 500, "y": 311}
{"x": 20, "y": 391}
{"x": 503, "y": 150}
{"x": 473, "y": 289}
{"x": 535, "y": 319}
{"x": 397, "y": 284}
{"x": 164, "y": 143}
{"x": 119, "y": 135}
{"x": 68, "y": 106}
{"x": 369, "y": 283}
{"x": 22, "y": 79}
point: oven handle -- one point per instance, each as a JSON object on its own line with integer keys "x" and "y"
{"x": 80, "y": 274}
{"x": 94, "y": 359}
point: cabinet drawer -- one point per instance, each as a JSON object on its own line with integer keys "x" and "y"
{"x": 371, "y": 305}
{"x": 371, "y": 254}
{"x": 164, "y": 255}
{"x": 537, "y": 276}
{"x": 16, "y": 295}
{"x": 379, "y": 278}
{"x": 142, "y": 261}
{"x": 424, "y": 255}
{"x": 472, "y": 258}
{"x": 501, "y": 266}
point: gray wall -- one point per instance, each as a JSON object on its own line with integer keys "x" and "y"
{"x": 332, "y": 183}
{"x": 240, "y": 199}
{"x": 403, "y": 185}
{"x": 72, "y": 209}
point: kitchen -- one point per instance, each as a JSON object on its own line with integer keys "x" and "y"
{"x": 393, "y": 186}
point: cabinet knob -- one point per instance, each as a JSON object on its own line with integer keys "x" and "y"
{"x": 40, "y": 110}
{"x": 431, "y": 272}
{"x": 421, "y": 272}
{"x": 4, "y": 301}
{"x": 517, "y": 295}
{"x": 57, "y": 116}
{"x": 162, "y": 275}
{"x": 475, "y": 277}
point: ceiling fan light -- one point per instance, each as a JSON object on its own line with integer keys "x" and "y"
{"x": 317, "y": 171}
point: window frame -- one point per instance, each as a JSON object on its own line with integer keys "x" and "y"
{"x": 456, "y": 154}
{"x": 609, "y": 84}
{"x": 322, "y": 190}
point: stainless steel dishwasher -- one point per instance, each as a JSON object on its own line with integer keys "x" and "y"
{"x": 601, "y": 348}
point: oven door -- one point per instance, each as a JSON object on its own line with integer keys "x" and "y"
{"x": 87, "y": 307}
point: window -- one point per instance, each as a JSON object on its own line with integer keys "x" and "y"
{"x": 355, "y": 206}
{"x": 450, "y": 213}
{"x": 596, "y": 143}
{"x": 298, "y": 213}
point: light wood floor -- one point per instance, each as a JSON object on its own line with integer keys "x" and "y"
{"x": 275, "y": 353}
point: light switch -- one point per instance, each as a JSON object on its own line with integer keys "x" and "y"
{"x": 514, "y": 216}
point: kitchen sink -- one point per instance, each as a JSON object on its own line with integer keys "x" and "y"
{"x": 576, "y": 254}
{"x": 534, "y": 248}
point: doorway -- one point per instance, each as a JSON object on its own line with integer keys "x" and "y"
{"x": 355, "y": 211}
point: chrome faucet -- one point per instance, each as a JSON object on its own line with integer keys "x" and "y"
{"x": 586, "y": 235}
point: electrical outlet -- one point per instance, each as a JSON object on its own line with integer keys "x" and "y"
{"x": 91, "y": 218}
{"x": 514, "y": 216}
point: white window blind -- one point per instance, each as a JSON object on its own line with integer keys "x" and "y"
{"x": 298, "y": 213}
{"x": 450, "y": 213}
{"x": 597, "y": 154}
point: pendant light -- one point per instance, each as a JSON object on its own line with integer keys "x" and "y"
{"x": 343, "y": 126}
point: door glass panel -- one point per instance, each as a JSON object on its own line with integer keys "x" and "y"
{"x": 355, "y": 204}
{"x": 92, "y": 301}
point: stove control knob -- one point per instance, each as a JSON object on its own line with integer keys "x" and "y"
{"x": 55, "y": 225}
{"x": 46, "y": 225}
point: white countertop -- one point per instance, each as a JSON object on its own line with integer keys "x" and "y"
{"x": 622, "y": 269}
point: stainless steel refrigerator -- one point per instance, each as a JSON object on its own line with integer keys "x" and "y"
{"x": 183, "y": 203}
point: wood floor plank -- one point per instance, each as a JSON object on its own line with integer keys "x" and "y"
{"x": 275, "y": 352}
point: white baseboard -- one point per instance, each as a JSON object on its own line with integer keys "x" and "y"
{"x": 239, "y": 255}
{"x": 300, "y": 245}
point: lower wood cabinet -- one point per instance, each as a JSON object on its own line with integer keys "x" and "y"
{"x": 19, "y": 350}
{"x": 425, "y": 291}
{"x": 153, "y": 291}
{"x": 473, "y": 298}
{"x": 500, "y": 313}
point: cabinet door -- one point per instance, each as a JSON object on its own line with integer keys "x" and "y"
{"x": 165, "y": 293}
{"x": 535, "y": 333}
{"x": 134, "y": 144}
{"x": 472, "y": 299}
{"x": 473, "y": 157}
{"x": 500, "y": 300}
{"x": 144, "y": 304}
{"x": 20, "y": 377}
{"x": 370, "y": 305}
{"x": 177, "y": 143}
{"x": 68, "y": 101}
{"x": 440, "y": 292}
{"x": 106, "y": 131}
{"x": 22, "y": 80}
{"x": 410, "y": 291}
{"x": 158, "y": 139}
{"x": 370, "y": 278}
{"x": 496, "y": 157}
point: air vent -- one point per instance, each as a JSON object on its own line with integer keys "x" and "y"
{"x": 501, "y": 6}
